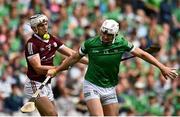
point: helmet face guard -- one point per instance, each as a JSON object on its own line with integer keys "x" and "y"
{"x": 36, "y": 20}
{"x": 110, "y": 27}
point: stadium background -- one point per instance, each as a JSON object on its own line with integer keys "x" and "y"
{"x": 141, "y": 89}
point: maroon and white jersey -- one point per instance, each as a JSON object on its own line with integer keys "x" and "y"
{"x": 46, "y": 50}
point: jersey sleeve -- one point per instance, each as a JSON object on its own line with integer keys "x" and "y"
{"x": 59, "y": 43}
{"x": 83, "y": 49}
{"x": 31, "y": 49}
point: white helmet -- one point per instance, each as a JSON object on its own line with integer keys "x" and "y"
{"x": 111, "y": 26}
{"x": 37, "y": 19}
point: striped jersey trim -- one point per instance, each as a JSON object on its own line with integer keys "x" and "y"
{"x": 29, "y": 57}
{"x": 62, "y": 46}
{"x": 133, "y": 48}
{"x": 30, "y": 48}
{"x": 80, "y": 52}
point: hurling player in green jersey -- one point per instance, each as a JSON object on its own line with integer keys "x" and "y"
{"x": 104, "y": 53}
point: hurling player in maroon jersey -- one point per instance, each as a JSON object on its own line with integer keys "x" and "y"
{"x": 39, "y": 51}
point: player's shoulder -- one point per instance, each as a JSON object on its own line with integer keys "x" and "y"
{"x": 92, "y": 40}
{"x": 29, "y": 44}
{"x": 53, "y": 37}
{"x": 56, "y": 39}
{"x": 31, "y": 40}
{"x": 120, "y": 39}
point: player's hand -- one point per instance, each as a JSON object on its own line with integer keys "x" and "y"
{"x": 169, "y": 73}
{"x": 52, "y": 72}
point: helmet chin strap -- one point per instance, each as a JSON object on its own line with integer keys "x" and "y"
{"x": 36, "y": 30}
{"x": 114, "y": 39}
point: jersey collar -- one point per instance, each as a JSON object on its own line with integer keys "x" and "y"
{"x": 38, "y": 37}
{"x": 107, "y": 43}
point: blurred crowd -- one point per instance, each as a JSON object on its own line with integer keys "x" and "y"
{"x": 142, "y": 90}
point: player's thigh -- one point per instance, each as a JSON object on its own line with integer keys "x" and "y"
{"x": 45, "y": 98}
{"x": 31, "y": 87}
{"x": 95, "y": 107}
{"x": 111, "y": 109}
{"x": 109, "y": 101}
{"x": 45, "y": 106}
{"x": 92, "y": 99}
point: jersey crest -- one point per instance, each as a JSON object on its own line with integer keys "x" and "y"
{"x": 55, "y": 44}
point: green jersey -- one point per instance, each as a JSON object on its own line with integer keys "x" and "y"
{"x": 104, "y": 60}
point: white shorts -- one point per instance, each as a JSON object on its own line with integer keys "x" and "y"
{"x": 31, "y": 86}
{"x": 106, "y": 95}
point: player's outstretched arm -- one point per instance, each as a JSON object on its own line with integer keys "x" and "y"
{"x": 68, "y": 52}
{"x": 74, "y": 58}
{"x": 166, "y": 71}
